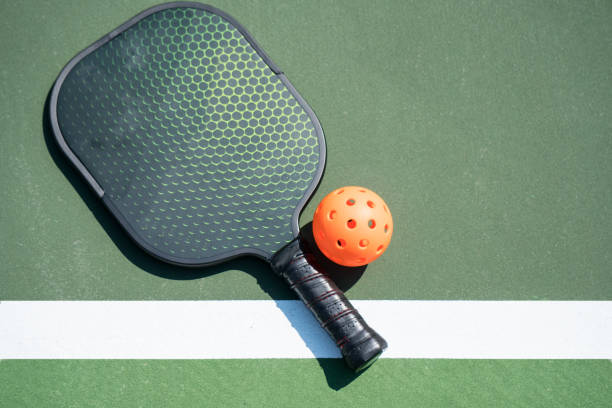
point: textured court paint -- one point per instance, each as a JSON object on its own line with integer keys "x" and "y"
{"x": 200, "y": 330}
{"x": 312, "y": 383}
{"x": 485, "y": 126}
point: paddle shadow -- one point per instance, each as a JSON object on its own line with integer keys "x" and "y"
{"x": 336, "y": 373}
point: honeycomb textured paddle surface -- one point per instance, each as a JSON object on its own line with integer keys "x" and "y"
{"x": 194, "y": 140}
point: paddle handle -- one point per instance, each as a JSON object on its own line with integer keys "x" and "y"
{"x": 359, "y": 343}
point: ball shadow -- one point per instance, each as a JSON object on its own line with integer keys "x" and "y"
{"x": 344, "y": 276}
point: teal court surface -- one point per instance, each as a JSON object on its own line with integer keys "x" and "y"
{"x": 485, "y": 126}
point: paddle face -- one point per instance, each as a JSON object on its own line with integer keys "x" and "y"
{"x": 193, "y": 138}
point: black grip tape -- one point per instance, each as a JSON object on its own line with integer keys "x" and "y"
{"x": 359, "y": 343}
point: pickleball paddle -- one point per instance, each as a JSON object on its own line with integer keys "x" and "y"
{"x": 203, "y": 151}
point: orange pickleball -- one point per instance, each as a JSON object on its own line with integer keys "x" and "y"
{"x": 352, "y": 226}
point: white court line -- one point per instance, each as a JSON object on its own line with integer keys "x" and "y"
{"x": 285, "y": 329}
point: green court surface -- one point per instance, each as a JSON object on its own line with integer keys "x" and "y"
{"x": 281, "y": 383}
{"x": 486, "y": 126}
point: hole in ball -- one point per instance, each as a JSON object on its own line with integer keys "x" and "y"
{"x": 350, "y": 201}
{"x": 386, "y": 228}
{"x": 364, "y": 243}
{"x": 340, "y": 191}
{"x": 370, "y": 203}
{"x": 351, "y": 223}
{"x": 332, "y": 214}
{"x": 372, "y": 224}
{"x": 379, "y": 249}
{"x": 341, "y": 243}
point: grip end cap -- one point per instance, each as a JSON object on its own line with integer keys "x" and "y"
{"x": 363, "y": 354}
